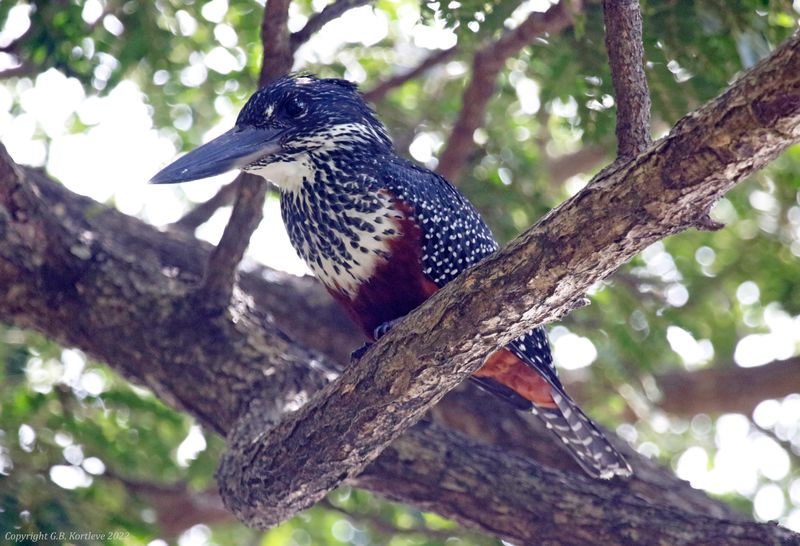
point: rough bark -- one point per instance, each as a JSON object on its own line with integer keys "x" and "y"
{"x": 623, "y": 22}
{"x": 539, "y": 277}
{"x": 61, "y": 255}
{"x": 277, "y": 42}
{"x": 594, "y": 512}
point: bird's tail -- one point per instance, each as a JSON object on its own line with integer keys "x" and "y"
{"x": 590, "y": 448}
{"x": 525, "y": 378}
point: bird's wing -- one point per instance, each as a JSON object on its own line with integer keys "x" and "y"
{"x": 455, "y": 237}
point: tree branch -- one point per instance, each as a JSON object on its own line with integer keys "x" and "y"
{"x": 623, "y": 22}
{"x": 245, "y": 217}
{"x": 727, "y": 389}
{"x": 723, "y": 388}
{"x": 377, "y": 93}
{"x": 319, "y": 20}
{"x": 276, "y": 42}
{"x": 538, "y": 278}
{"x": 220, "y": 276}
{"x": 486, "y": 65}
{"x": 125, "y": 292}
{"x": 594, "y": 512}
{"x": 203, "y": 212}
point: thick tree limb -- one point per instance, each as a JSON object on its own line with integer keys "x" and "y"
{"x": 126, "y": 293}
{"x": 127, "y": 306}
{"x": 623, "y": 21}
{"x": 539, "y": 277}
{"x": 319, "y": 20}
{"x": 594, "y": 512}
{"x": 377, "y": 93}
{"x": 486, "y": 65}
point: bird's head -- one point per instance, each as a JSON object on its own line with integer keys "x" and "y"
{"x": 282, "y": 124}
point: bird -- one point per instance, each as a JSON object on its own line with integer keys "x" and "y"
{"x": 383, "y": 233}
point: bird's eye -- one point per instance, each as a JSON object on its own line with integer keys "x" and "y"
{"x": 295, "y": 108}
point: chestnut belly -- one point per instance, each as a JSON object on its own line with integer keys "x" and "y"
{"x": 397, "y": 286}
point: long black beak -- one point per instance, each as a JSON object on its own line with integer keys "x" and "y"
{"x": 232, "y": 150}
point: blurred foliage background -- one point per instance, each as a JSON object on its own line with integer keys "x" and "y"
{"x": 81, "y": 449}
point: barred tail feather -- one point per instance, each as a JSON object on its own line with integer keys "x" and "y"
{"x": 591, "y": 449}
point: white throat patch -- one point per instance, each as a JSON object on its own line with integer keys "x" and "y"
{"x": 288, "y": 175}
{"x": 290, "y": 171}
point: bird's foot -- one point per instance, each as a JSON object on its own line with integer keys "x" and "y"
{"x": 358, "y": 353}
{"x": 383, "y": 329}
{"x": 380, "y": 331}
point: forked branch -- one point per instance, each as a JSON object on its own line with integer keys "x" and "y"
{"x": 247, "y": 212}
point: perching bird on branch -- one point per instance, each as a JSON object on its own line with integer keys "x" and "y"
{"x": 381, "y": 233}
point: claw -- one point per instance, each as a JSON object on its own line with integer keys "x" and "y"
{"x": 380, "y": 331}
{"x": 383, "y": 329}
{"x": 358, "y": 353}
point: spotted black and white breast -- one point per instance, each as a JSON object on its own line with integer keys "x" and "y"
{"x": 342, "y": 235}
